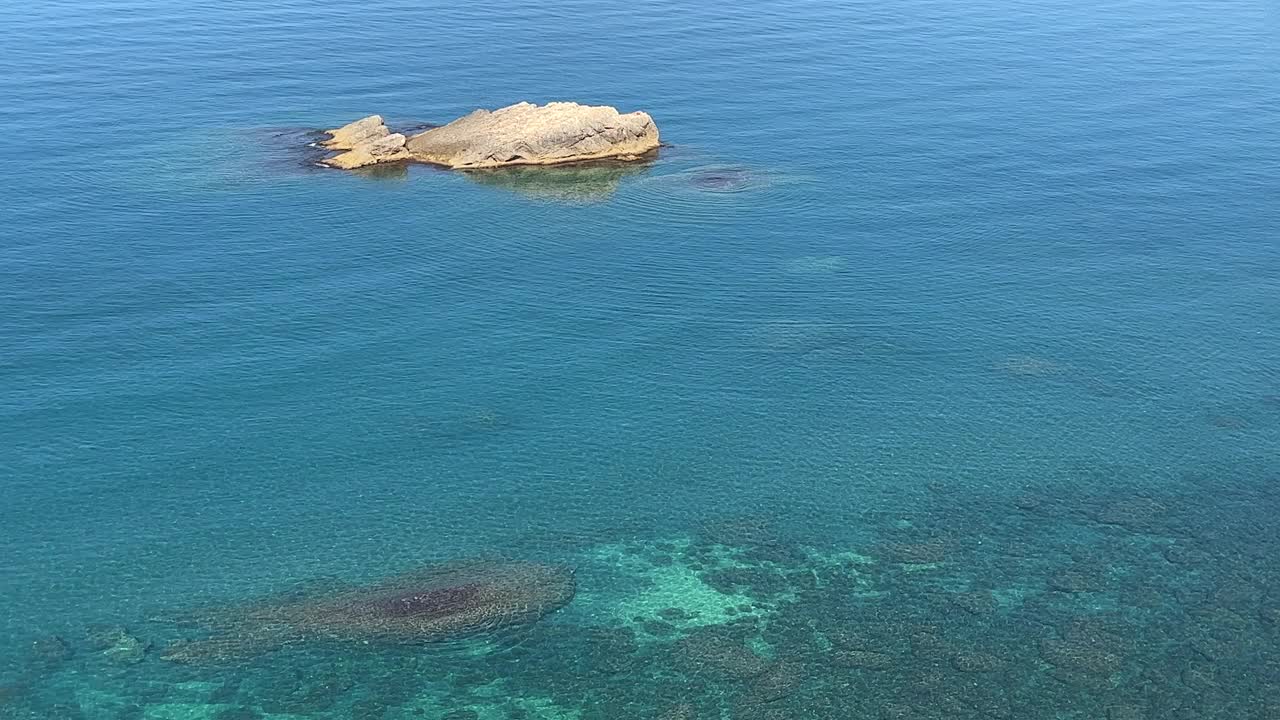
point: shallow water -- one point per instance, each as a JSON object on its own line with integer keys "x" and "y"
{"x": 930, "y": 371}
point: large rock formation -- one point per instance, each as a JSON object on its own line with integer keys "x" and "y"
{"x": 433, "y": 604}
{"x": 521, "y": 134}
{"x": 526, "y": 134}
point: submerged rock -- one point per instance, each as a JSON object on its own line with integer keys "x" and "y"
{"x": 117, "y": 644}
{"x": 1085, "y": 649}
{"x": 528, "y": 134}
{"x": 976, "y": 662}
{"x": 978, "y": 602}
{"x": 722, "y": 179}
{"x": 862, "y": 659}
{"x": 713, "y": 651}
{"x": 779, "y": 680}
{"x": 49, "y": 651}
{"x": 572, "y": 184}
{"x": 434, "y": 604}
{"x": 679, "y": 711}
{"x": 1133, "y": 513}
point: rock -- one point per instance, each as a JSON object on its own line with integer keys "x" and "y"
{"x": 116, "y": 644}
{"x": 1199, "y": 677}
{"x": 367, "y": 142}
{"x": 712, "y": 651}
{"x": 437, "y": 602}
{"x": 976, "y": 662}
{"x": 1125, "y": 712}
{"x": 930, "y": 644}
{"x": 49, "y": 651}
{"x": 679, "y": 711}
{"x": 352, "y": 135}
{"x": 527, "y": 134}
{"x": 1081, "y": 658}
{"x": 777, "y": 682}
{"x": 1183, "y": 555}
{"x": 1075, "y": 581}
{"x": 976, "y": 602}
{"x": 389, "y": 148}
{"x": 238, "y": 712}
{"x": 862, "y": 659}
{"x": 913, "y": 553}
{"x": 1135, "y": 513}
{"x": 657, "y": 628}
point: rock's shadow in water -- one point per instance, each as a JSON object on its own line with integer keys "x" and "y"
{"x": 572, "y": 184}
{"x": 384, "y": 172}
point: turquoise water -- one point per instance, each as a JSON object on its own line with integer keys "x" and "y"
{"x": 960, "y": 399}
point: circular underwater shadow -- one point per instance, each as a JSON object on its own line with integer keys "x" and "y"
{"x": 723, "y": 180}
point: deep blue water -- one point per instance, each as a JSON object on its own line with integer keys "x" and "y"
{"x": 988, "y": 318}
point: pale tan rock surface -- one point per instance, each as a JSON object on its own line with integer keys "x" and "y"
{"x": 527, "y": 134}
{"x": 351, "y": 135}
{"x": 388, "y": 148}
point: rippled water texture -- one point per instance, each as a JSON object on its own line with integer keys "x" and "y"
{"x": 929, "y": 371}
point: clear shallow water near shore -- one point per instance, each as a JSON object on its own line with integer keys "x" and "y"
{"x": 931, "y": 371}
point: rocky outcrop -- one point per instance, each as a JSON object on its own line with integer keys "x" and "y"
{"x": 389, "y": 148}
{"x": 362, "y": 131}
{"x": 367, "y": 141}
{"x": 527, "y": 134}
{"x": 520, "y": 134}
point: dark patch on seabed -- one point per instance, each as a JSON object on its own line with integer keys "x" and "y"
{"x": 1101, "y": 599}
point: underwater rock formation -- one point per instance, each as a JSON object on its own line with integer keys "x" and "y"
{"x": 49, "y": 651}
{"x": 713, "y": 651}
{"x": 778, "y": 681}
{"x": 520, "y": 134}
{"x": 1083, "y": 650}
{"x": 914, "y": 553}
{"x": 571, "y": 184}
{"x": 975, "y": 602}
{"x": 730, "y": 179}
{"x": 117, "y": 644}
{"x": 435, "y": 604}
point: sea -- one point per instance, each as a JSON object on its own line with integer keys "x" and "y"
{"x": 930, "y": 370}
